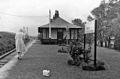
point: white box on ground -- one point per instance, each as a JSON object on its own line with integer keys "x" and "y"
{"x": 46, "y": 72}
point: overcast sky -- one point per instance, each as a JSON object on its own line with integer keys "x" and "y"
{"x": 12, "y": 11}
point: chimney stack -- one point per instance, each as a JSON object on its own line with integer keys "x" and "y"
{"x": 56, "y": 14}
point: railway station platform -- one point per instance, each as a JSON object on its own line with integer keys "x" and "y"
{"x": 41, "y": 57}
{"x": 35, "y": 60}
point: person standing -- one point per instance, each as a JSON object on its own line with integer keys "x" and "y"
{"x": 20, "y": 46}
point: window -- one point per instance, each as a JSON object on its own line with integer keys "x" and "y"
{"x": 73, "y": 34}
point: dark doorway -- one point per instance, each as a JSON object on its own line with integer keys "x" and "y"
{"x": 60, "y": 36}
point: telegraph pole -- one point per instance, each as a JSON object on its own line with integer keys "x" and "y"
{"x": 95, "y": 43}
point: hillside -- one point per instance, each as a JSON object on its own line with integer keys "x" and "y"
{"x": 7, "y": 42}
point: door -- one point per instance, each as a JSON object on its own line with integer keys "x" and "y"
{"x": 59, "y": 36}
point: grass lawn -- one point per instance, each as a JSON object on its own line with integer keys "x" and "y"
{"x": 41, "y": 57}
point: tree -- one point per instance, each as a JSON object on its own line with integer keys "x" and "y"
{"x": 89, "y": 37}
{"x": 106, "y": 15}
{"x": 90, "y": 18}
{"x": 79, "y": 22}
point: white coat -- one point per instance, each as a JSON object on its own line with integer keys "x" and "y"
{"x": 20, "y": 46}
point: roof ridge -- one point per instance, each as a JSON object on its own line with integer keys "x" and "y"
{"x": 60, "y": 23}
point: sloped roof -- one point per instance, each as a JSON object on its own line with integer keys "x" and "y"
{"x": 60, "y": 23}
